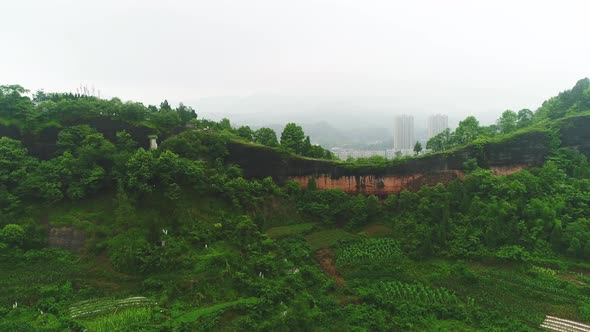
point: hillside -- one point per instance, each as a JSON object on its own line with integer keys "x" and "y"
{"x": 213, "y": 230}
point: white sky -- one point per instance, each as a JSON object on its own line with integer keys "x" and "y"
{"x": 450, "y": 56}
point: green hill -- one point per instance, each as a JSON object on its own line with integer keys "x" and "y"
{"x": 99, "y": 232}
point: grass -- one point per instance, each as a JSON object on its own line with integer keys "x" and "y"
{"x": 284, "y": 231}
{"x": 377, "y": 230}
{"x": 25, "y": 276}
{"x": 86, "y": 214}
{"x": 507, "y": 289}
{"x": 130, "y": 319}
{"x": 327, "y": 238}
{"x": 193, "y": 315}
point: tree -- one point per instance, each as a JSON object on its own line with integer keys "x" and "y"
{"x": 70, "y": 138}
{"x": 266, "y": 136}
{"x": 164, "y": 106}
{"x": 186, "y": 113}
{"x": 13, "y": 103}
{"x": 246, "y": 133}
{"x": 306, "y": 149}
{"x": 95, "y": 148}
{"x": 507, "y": 122}
{"x": 467, "y": 131}
{"x": 12, "y": 235}
{"x": 224, "y": 124}
{"x": 418, "y": 147}
{"x": 165, "y": 120}
{"x": 524, "y": 118}
{"x": 440, "y": 142}
{"x": 125, "y": 142}
{"x": 292, "y": 138}
{"x": 141, "y": 169}
{"x": 132, "y": 112}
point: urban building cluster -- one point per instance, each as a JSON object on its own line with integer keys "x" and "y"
{"x": 345, "y": 153}
{"x": 404, "y": 138}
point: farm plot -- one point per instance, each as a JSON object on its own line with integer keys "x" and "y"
{"x": 99, "y": 307}
{"x": 368, "y": 251}
{"x": 395, "y": 292}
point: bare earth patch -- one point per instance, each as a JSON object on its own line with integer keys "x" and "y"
{"x": 377, "y": 230}
{"x": 327, "y": 261}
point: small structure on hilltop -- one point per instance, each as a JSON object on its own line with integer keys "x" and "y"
{"x": 153, "y": 142}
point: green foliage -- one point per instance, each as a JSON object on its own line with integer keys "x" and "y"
{"x": 440, "y": 142}
{"x": 193, "y": 315}
{"x": 12, "y": 235}
{"x": 13, "y": 103}
{"x": 508, "y": 122}
{"x": 328, "y": 238}
{"x": 101, "y": 307}
{"x": 585, "y": 311}
{"x": 467, "y": 131}
{"x": 418, "y": 147}
{"x": 395, "y": 292}
{"x": 291, "y": 230}
{"x": 146, "y": 171}
{"x": 369, "y": 251}
{"x": 524, "y": 118}
{"x": 566, "y": 103}
{"x": 124, "y": 320}
{"x": 246, "y": 133}
{"x": 266, "y": 136}
{"x": 292, "y": 138}
{"x": 198, "y": 145}
{"x": 514, "y": 253}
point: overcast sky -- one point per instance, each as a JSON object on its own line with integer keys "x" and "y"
{"x": 455, "y": 57}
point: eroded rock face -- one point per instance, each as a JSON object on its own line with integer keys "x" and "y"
{"x": 66, "y": 238}
{"x": 378, "y": 185}
{"x": 392, "y": 184}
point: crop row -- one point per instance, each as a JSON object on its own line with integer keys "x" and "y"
{"x": 369, "y": 251}
{"x": 393, "y": 292}
{"x": 94, "y": 307}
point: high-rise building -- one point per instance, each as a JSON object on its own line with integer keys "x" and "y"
{"x": 436, "y": 124}
{"x": 403, "y": 133}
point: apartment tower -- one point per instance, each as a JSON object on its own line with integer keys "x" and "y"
{"x": 403, "y": 133}
{"x": 436, "y": 124}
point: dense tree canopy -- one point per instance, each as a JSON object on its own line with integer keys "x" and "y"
{"x": 292, "y": 138}
{"x": 266, "y": 136}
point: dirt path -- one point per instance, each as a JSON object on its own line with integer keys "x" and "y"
{"x": 327, "y": 262}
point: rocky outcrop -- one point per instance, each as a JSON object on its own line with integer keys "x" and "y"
{"x": 575, "y": 132}
{"x": 66, "y": 238}
{"x": 503, "y": 157}
{"x": 378, "y": 185}
{"x": 259, "y": 161}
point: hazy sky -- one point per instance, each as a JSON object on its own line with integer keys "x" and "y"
{"x": 455, "y": 57}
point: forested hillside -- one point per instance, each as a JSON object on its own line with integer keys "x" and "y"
{"x": 100, "y": 232}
